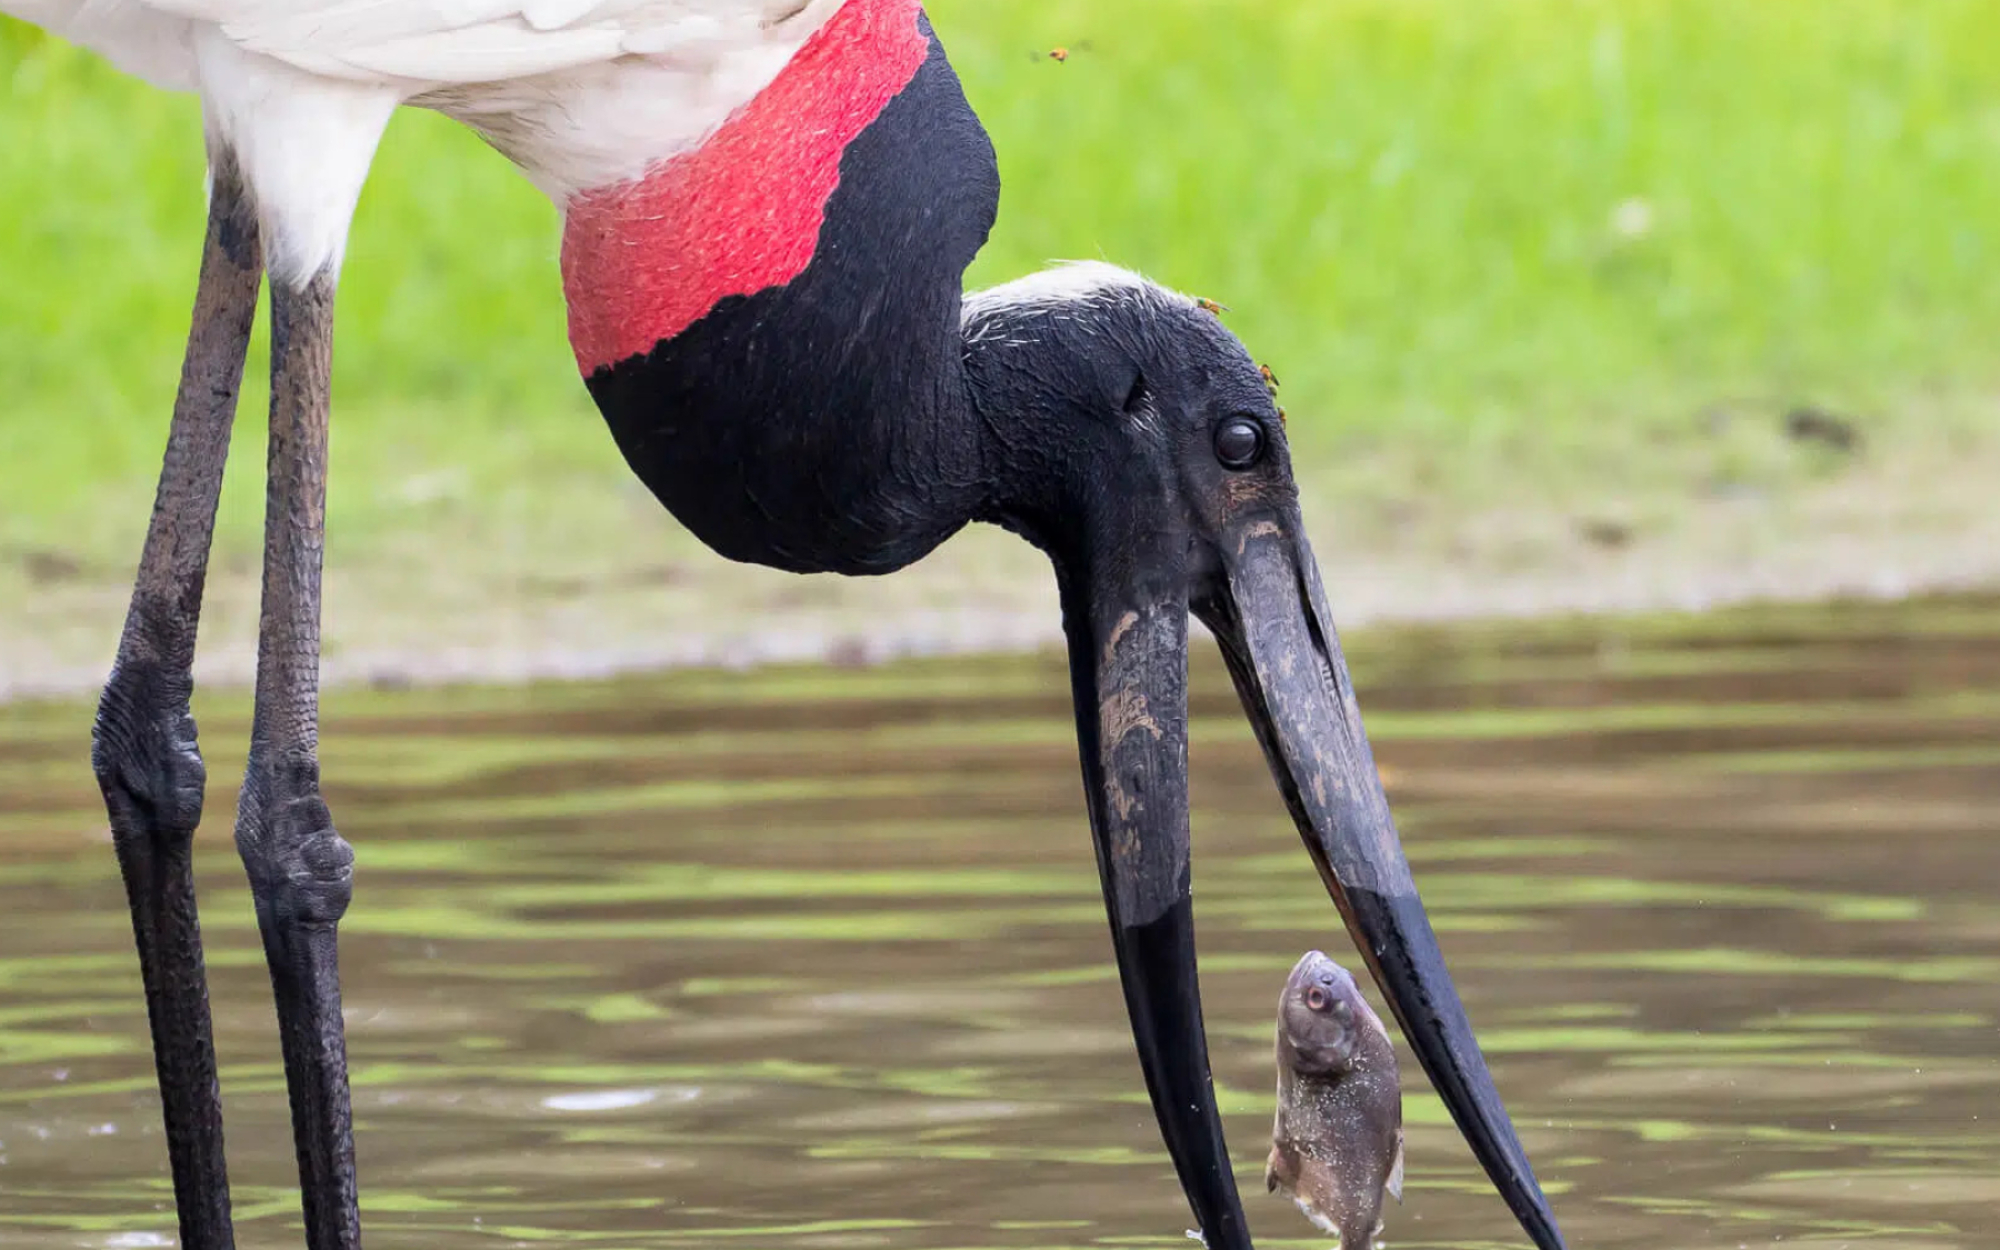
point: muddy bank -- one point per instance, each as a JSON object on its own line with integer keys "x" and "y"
{"x": 499, "y": 617}
{"x": 542, "y": 596}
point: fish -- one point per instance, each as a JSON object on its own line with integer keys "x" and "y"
{"x": 1337, "y": 1139}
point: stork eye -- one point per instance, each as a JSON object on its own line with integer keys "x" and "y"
{"x": 1316, "y": 998}
{"x": 1238, "y": 442}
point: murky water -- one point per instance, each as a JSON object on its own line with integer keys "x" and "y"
{"x": 816, "y": 959}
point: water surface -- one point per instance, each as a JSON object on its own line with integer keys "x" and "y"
{"x": 815, "y": 958}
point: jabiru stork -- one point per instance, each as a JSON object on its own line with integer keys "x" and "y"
{"x": 769, "y": 207}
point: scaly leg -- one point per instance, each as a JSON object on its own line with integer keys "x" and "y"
{"x": 143, "y": 748}
{"x": 301, "y": 871}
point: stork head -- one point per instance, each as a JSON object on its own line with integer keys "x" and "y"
{"x": 1136, "y": 441}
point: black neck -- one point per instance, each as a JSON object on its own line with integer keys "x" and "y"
{"x": 827, "y": 425}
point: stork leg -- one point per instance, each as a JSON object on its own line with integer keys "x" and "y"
{"x": 301, "y": 871}
{"x": 143, "y": 747}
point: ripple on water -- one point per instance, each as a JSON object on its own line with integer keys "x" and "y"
{"x": 808, "y": 958}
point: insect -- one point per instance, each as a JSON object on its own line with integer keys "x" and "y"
{"x": 1270, "y": 378}
{"x": 1210, "y": 306}
{"x": 1059, "y": 54}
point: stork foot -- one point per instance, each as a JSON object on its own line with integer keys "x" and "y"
{"x": 302, "y": 875}
{"x": 152, "y": 777}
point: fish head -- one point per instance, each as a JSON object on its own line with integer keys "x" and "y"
{"x": 1322, "y": 1018}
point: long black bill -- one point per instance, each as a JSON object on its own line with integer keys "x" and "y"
{"x": 1128, "y": 668}
{"x": 1278, "y": 639}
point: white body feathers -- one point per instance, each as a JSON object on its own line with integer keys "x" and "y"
{"x": 578, "y": 93}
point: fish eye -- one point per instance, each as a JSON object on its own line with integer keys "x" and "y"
{"x": 1316, "y": 998}
{"x": 1238, "y": 442}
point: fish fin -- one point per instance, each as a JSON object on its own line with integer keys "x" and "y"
{"x": 1281, "y": 1171}
{"x": 1395, "y": 1182}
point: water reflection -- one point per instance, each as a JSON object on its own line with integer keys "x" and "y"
{"x": 813, "y": 958}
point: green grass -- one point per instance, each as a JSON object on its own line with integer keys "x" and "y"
{"x": 1475, "y": 240}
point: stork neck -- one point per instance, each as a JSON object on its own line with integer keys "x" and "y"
{"x": 643, "y": 260}
{"x": 807, "y": 410}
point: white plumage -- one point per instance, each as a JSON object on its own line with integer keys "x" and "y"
{"x": 1064, "y": 284}
{"x": 578, "y": 93}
